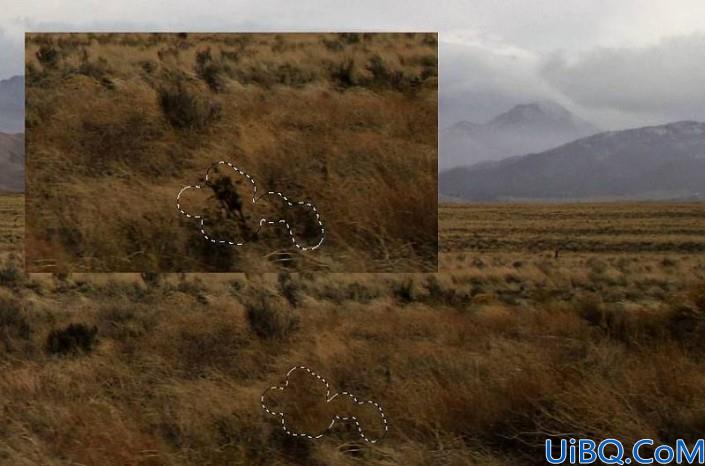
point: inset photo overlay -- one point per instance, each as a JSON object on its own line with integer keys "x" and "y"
{"x": 224, "y": 152}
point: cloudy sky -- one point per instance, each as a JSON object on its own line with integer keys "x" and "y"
{"x": 617, "y": 63}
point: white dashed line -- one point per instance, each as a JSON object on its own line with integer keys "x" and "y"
{"x": 328, "y": 399}
{"x": 262, "y": 221}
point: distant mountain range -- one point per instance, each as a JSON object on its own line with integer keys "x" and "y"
{"x": 656, "y": 162}
{"x": 12, "y": 154}
{"x": 12, "y": 162}
{"x": 525, "y": 128}
{"x": 12, "y": 105}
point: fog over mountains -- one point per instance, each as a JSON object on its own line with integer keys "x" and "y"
{"x": 12, "y": 153}
{"x": 12, "y": 162}
{"x": 523, "y": 129}
{"x": 657, "y": 162}
{"x": 12, "y": 105}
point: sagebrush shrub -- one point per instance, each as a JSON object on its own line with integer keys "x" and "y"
{"x": 48, "y": 56}
{"x": 270, "y": 317}
{"x": 343, "y": 73}
{"x": 74, "y": 338}
{"x": 186, "y": 110}
{"x": 288, "y": 288}
{"x": 151, "y": 279}
{"x": 591, "y": 308}
{"x": 13, "y": 324}
{"x": 10, "y": 274}
{"x": 404, "y": 291}
{"x": 209, "y": 70}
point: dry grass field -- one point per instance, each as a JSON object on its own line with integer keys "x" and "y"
{"x": 118, "y": 123}
{"x": 579, "y": 228}
{"x": 475, "y": 365}
{"x": 11, "y": 224}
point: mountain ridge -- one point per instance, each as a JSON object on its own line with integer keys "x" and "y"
{"x": 12, "y": 160}
{"x": 12, "y": 105}
{"x": 530, "y": 127}
{"x": 652, "y": 162}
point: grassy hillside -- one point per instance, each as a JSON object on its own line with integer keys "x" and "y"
{"x": 475, "y": 365}
{"x": 117, "y": 123}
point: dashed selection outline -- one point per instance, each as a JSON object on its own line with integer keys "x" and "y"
{"x": 328, "y": 399}
{"x": 263, "y": 221}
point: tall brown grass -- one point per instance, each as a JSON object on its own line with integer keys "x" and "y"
{"x": 118, "y": 123}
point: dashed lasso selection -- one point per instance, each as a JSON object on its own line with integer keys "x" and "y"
{"x": 328, "y": 399}
{"x": 263, "y": 221}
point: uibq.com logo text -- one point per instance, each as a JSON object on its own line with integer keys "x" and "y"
{"x": 613, "y": 451}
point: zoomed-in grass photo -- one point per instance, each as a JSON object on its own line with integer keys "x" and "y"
{"x": 118, "y": 123}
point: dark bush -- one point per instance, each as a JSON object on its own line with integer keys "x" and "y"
{"x": 10, "y": 274}
{"x": 591, "y": 308}
{"x": 48, "y": 56}
{"x": 209, "y": 70}
{"x": 186, "y": 110}
{"x": 270, "y": 317}
{"x": 404, "y": 291}
{"x": 288, "y": 288}
{"x": 343, "y": 73}
{"x": 151, "y": 279}
{"x": 74, "y": 338}
{"x": 385, "y": 77}
{"x": 13, "y": 324}
{"x": 296, "y": 450}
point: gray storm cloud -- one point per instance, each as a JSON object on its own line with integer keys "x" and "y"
{"x": 664, "y": 79}
{"x": 11, "y": 53}
{"x": 477, "y": 83}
